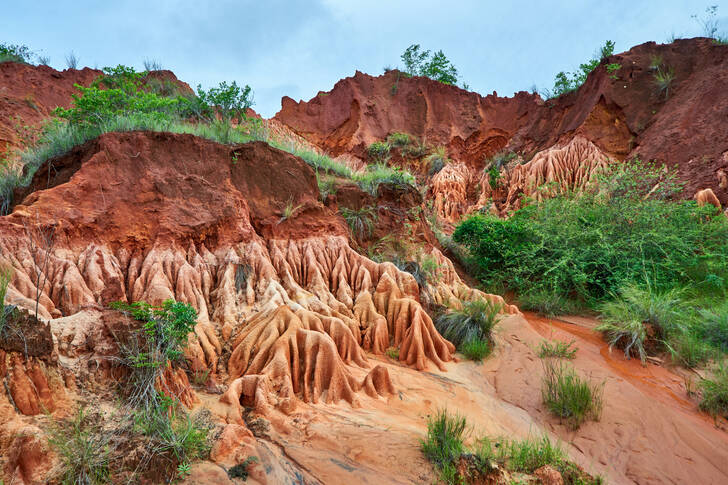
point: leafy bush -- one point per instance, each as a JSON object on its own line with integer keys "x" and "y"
{"x": 360, "y": 222}
{"x": 148, "y": 351}
{"x": 715, "y": 326}
{"x": 15, "y": 53}
{"x": 566, "y": 82}
{"x": 398, "y": 140}
{"x": 714, "y": 392}
{"x": 378, "y": 151}
{"x": 557, "y": 349}
{"x": 435, "y": 66}
{"x": 568, "y": 396}
{"x": 583, "y": 247}
{"x": 443, "y": 444}
{"x": 476, "y": 349}
{"x": 392, "y": 353}
{"x": 436, "y": 160}
{"x": 547, "y": 301}
{"x": 83, "y": 450}
{"x": 474, "y": 321}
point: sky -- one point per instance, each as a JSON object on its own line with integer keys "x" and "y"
{"x": 298, "y": 48}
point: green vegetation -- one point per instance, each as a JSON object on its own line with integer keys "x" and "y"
{"x": 392, "y": 353}
{"x": 557, "y": 349}
{"x": 436, "y": 160}
{"x": 6, "y": 276}
{"x": 15, "y": 53}
{"x": 360, "y": 222}
{"x": 382, "y": 174}
{"x": 444, "y": 445}
{"x": 379, "y": 151}
{"x": 146, "y": 352}
{"x": 241, "y": 469}
{"x": 476, "y": 349}
{"x": 568, "y": 396}
{"x": 663, "y": 80}
{"x": 398, "y": 140}
{"x": 612, "y": 70}
{"x": 566, "y": 82}
{"x": 709, "y": 24}
{"x": 83, "y": 449}
{"x": 72, "y": 60}
{"x": 289, "y": 210}
{"x": 435, "y": 66}
{"x": 715, "y": 392}
{"x": 470, "y": 327}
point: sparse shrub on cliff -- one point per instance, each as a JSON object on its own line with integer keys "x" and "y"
{"x": 570, "y": 397}
{"x": 15, "y": 53}
{"x": 436, "y": 160}
{"x": 423, "y": 63}
{"x": 6, "y": 275}
{"x": 379, "y": 151}
{"x": 565, "y": 82}
{"x": 399, "y": 140}
{"x": 360, "y": 222}
{"x": 663, "y": 80}
{"x": 152, "y": 65}
{"x": 416, "y": 149}
{"x": 72, "y": 60}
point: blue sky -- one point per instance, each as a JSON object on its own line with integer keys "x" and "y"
{"x": 297, "y": 48}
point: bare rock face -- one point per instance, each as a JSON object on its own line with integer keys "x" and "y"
{"x": 623, "y": 113}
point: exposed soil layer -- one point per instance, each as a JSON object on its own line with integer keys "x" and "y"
{"x": 623, "y": 113}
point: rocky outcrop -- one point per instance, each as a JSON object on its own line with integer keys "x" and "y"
{"x": 623, "y": 113}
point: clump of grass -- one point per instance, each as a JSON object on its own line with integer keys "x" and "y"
{"x": 474, "y": 320}
{"x": 83, "y": 449}
{"x": 392, "y": 353}
{"x": 443, "y": 444}
{"x": 530, "y": 454}
{"x": 689, "y": 350}
{"x": 152, "y": 65}
{"x": 557, "y": 349}
{"x": 326, "y": 186}
{"x": 655, "y": 61}
{"x": 714, "y": 392}
{"x": 398, "y": 140}
{"x": 6, "y": 276}
{"x": 664, "y": 76}
{"x": 289, "y": 210}
{"x": 570, "y": 397}
{"x": 379, "y": 151}
{"x": 546, "y": 302}
{"x": 415, "y": 149}
{"x": 627, "y": 313}
{"x": 382, "y": 174}
{"x": 360, "y": 221}
{"x": 476, "y": 349}
{"x": 715, "y": 325}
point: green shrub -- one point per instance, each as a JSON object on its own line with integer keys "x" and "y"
{"x": 415, "y": 150}
{"x": 83, "y": 449}
{"x": 568, "y": 396}
{"x": 557, "y": 349}
{"x": 436, "y": 160}
{"x": 715, "y": 326}
{"x": 378, "y": 151}
{"x": 443, "y": 444}
{"x": 435, "y": 66}
{"x": 476, "y": 349}
{"x": 583, "y": 247}
{"x": 398, "y": 140}
{"x": 566, "y": 82}
{"x": 474, "y": 321}
{"x": 630, "y": 335}
{"x": 392, "y": 353}
{"x": 15, "y": 53}
{"x": 689, "y": 350}
{"x": 360, "y": 222}
{"x": 147, "y": 351}
{"x": 715, "y": 393}
{"x": 548, "y": 302}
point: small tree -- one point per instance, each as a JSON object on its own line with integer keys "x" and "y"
{"x": 229, "y": 102}
{"x": 422, "y": 63}
{"x": 566, "y": 82}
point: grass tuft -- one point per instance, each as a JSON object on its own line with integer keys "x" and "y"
{"x": 570, "y": 397}
{"x": 557, "y": 349}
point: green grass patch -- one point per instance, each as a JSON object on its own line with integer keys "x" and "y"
{"x": 557, "y": 349}
{"x": 714, "y": 392}
{"x": 570, "y": 397}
